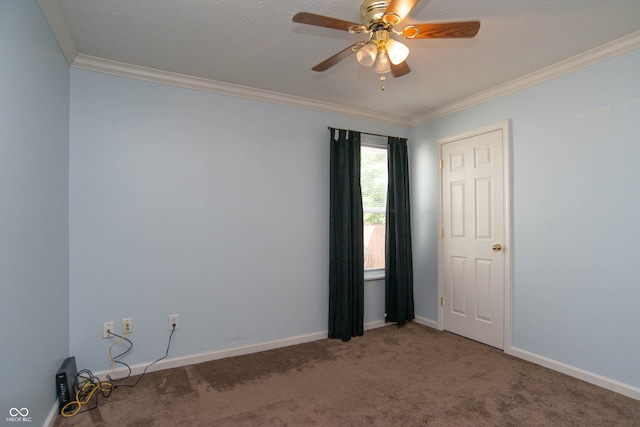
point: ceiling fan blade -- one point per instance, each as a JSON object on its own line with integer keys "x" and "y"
{"x": 330, "y": 62}
{"x": 448, "y": 30}
{"x": 398, "y": 10}
{"x": 400, "y": 70}
{"x": 322, "y": 21}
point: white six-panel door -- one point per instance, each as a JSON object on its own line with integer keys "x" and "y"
{"x": 473, "y": 235}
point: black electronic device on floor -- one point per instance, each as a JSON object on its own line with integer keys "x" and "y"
{"x": 66, "y": 380}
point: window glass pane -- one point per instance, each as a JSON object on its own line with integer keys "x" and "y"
{"x": 373, "y": 180}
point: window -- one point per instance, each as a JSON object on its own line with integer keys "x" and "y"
{"x": 373, "y": 180}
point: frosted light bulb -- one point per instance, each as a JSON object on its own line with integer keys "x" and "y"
{"x": 367, "y": 54}
{"x": 397, "y": 51}
{"x": 382, "y": 63}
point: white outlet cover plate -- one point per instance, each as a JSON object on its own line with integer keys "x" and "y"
{"x": 174, "y": 319}
{"x": 107, "y": 326}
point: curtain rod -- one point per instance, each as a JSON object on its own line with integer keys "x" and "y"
{"x": 366, "y": 133}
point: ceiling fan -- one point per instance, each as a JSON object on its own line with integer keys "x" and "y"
{"x": 378, "y": 19}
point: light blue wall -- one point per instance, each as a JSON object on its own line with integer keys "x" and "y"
{"x": 575, "y": 205}
{"x": 424, "y": 223}
{"x": 212, "y": 207}
{"x": 34, "y": 134}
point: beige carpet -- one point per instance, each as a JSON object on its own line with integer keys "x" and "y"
{"x": 392, "y": 376}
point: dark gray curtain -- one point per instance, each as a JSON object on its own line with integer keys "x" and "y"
{"x": 398, "y": 259}
{"x": 346, "y": 252}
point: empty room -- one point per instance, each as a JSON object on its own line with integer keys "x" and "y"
{"x": 320, "y": 213}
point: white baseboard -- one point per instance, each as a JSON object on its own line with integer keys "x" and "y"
{"x": 418, "y": 319}
{"x": 178, "y": 362}
{"x": 572, "y": 371}
{"x": 376, "y": 324}
{"x": 581, "y": 374}
{"x": 53, "y": 415}
{"x": 426, "y": 322}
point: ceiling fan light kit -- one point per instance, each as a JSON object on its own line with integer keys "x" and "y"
{"x": 366, "y": 55}
{"x": 397, "y": 51}
{"x": 379, "y": 47}
{"x": 382, "y": 65}
{"x": 378, "y": 19}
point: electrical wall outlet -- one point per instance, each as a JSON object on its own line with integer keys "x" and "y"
{"x": 106, "y": 328}
{"x": 174, "y": 319}
{"x": 127, "y": 325}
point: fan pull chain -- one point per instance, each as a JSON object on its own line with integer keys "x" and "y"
{"x": 382, "y": 79}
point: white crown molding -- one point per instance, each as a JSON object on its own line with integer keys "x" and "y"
{"x": 593, "y": 56}
{"x": 53, "y": 13}
{"x": 122, "y": 69}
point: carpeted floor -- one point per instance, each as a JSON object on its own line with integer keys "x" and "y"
{"x": 392, "y": 376}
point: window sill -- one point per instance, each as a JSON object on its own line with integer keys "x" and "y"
{"x": 376, "y": 274}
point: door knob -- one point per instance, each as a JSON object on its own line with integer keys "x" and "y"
{"x": 497, "y": 247}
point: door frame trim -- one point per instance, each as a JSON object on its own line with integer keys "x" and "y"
{"x": 507, "y": 246}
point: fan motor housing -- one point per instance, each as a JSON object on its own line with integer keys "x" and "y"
{"x": 372, "y": 10}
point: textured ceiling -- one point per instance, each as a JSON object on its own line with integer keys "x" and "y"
{"x": 255, "y": 44}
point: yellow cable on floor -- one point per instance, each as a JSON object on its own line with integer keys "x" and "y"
{"x": 105, "y": 387}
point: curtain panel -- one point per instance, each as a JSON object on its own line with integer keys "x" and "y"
{"x": 398, "y": 257}
{"x": 346, "y": 251}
